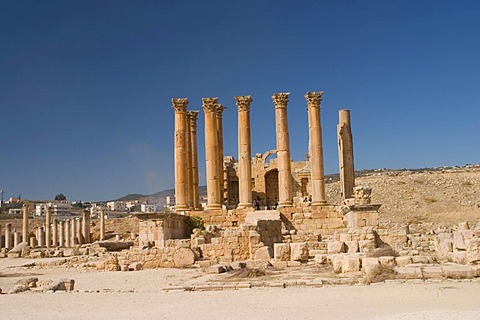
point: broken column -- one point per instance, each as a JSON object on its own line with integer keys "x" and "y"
{"x": 16, "y": 238}
{"x": 86, "y": 226}
{"x": 317, "y": 179}
{"x": 181, "y": 175}
{"x": 345, "y": 154}
{"x": 192, "y": 122}
{"x": 102, "y": 225}
{"x": 55, "y": 232}
{"x": 219, "y": 113}
{"x": 244, "y": 152}
{"x": 211, "y": 153}
{"x": 25, "y": 237}
{"x": 8, "y": 236}
{"x": 283, "y": 150}
{"x": 48, "y": 212}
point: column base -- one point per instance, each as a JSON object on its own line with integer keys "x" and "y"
{"x": 213, "y": 206}
{"x": 319, "y": 203}
{"x": 183, "y": 207}
{"x": 285, "y": 204}
{"x": 244, "y": 205}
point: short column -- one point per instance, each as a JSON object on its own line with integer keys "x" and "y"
{"x": 55, "y": 233}
{"x": 211, "y": 153}
{"x": 16, "y": 238}
{"x": 244, "y": 152}
{"x": 32, "y": 242}
{"x": 102, "y": 225}
{"x": 283, "y": 150}
{"x": 25, "y": 236}
{"x": 181, "y": 174}
{"x": 8, "y": 236}
{"x": 317, "y": 178}
{"x": 86, "y": 226}
{"x": 41, "y": 237}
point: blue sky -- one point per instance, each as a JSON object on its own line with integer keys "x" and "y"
{"x": 85, "y": 86}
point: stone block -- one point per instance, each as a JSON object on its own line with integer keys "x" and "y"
{"x": 337, "y": 263}
{"x": 299, "y": 252}
{"x": 217, "y": 268}
{"x": 388, "y": 261}
{"x": 351, "y": 264}
{"x": 351, "y": 246}
{"x": 320, "y": 259}
{"x": 345, "y": 237}
{"x": 459, "y": 257}
{"x": 432, "y": 272}
{"x": 136, "y": 266}
{"x": 473, "y": 251}
{"x": 402, "y": 261}
{"x": 370, "y": 265}
{"x": 336, "y": 247}
{"x": 281, "y": 251}
{"x": 366, "y": 246}
{"x": 294, "y": 263}
{"x": 456, "y": 271}
{"x": 263, "y": 254}
{"x": 183, "y": 257}
{"x": 422, "y": 259}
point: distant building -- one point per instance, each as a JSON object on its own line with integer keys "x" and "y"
{"x": 117, "y": 206}
{"x": 58, "y": 208}
{"x": 149, "y": 208}
{"x": 15, "y": 211}
{"x": 95, "y": 209}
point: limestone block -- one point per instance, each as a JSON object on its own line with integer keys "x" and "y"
{"x": 281, "y": 251}
{"x": 345, "y": 237}
{"x": 299, "y": 251}
{"x": 432, "y": 272}
{"x": 183, "y": 257}
{"x": 320, "y": 259}
{"x": 337, "y": 263}
{"x": 136, "y": 266}
{"x": 457, "y": 271}
{"x": 370, "y": 265}
{"x": 216, "y": 268}
{"x": 459, "y": 257}
{"x": 388, "y": 261}
{"x": 352, "y": 246}
{"x": 366, "y": 245}
{"x": 473, "y": 251}
{"x": 443, "y": 245}
{"x": 463, "y": 225}
{"x": 409, "y": 272}
{"x": 402, "y": 261}
{"x": 336, "y": 247}
{"x": 351, "y": 264}
{"x": 263, "y": 254}
{"x": 422, "y": 259}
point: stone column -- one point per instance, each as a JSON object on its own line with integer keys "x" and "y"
{"x": 16, "y": 238}
{"x": 78, "y": 233}
{"x": 73, "y": 234}
{"x": 41, "y": 237}
{"x": 55, "y": 232}
{"x": 8, "y": 236}
{"x": 61, "y": 234}
{"x": 48, "y": 212}
{"x": 189, "y": 180}
{"x": 32, "y": 242}
{"x": 211, "y": 153}
{"x": 102, "y": 225}
{"x": 181, "y": 174}
{"x": 1, "y": 242}
{"x": 25, "y": 236}
{"x": 67, "y": 233}
{"x": 317, "y": 177}
{"x": 345, "y": 154}
{"x": 86, "y": 226}
{"x": 192, "y": 121}
{"x": 219, "y": 116}
{"x": 283, "y": 150}
{"x": 244, "y": 152}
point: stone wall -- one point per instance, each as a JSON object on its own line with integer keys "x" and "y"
{"x": 155, "y": 230}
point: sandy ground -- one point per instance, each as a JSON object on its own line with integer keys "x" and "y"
{"x": 140, "y": 294}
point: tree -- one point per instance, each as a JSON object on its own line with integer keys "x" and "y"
{"x": 60, "y": 197}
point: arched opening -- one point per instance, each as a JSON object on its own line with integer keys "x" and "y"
{"x": 271, "y": 187}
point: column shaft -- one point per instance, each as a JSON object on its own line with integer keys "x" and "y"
{"x": 219, "y": 118}
{"x": 55, "y": 232}
{"x": 283, "y": 150}
{"x": 244, "y": 152}
{"x": 48, "y": 212}
{"x": 181, "y": 174}
{"x": 41, "y": 237}
{"x": 189, "y": 185}
{"x": 345, "y": 154}
{"x": 102, "y": 225}
{"x": 86, "y": 226}
{"x": 211, "y": 153}
{"x": 193, "y": 141}
{"x": 8, "y": 236}
{"x": 78, "y": 227}
{"x": 67, "y": 233}
{"x": 25, "y": 237}
{"x": 61, "y": 233}
{"x": 317, "y": 177}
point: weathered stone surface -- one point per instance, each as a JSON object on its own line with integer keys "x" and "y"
{"x": 456, "y": 271}
{"x": 352, "y": 246}
{"x": 19, "y": 248}
{"x": 366, "y": 245}
{"x": 29, "y": 282}
{"x": 473, "y": 251}
{"x": 263, "y": 254}
{"x": 337, "y": 263}
{"x": 336, "y": 247}
{"x": 351, "y": 264}
{"x": 402, "y": 261}
{"x": 320, "y": 259}
{"x": 459, "y": 256}
{"x": 19, "y": 288}
{"x": 370, "y": 264}
{"x": 216, "y": 268}
{"x": 184, "y": 257}
{"x": 113, "y": 245}
{"x": 136, "y": 266}
{"x": 281, "y": 251}
{"x": 299, "y": 252}
{"x": 388, "y": 261}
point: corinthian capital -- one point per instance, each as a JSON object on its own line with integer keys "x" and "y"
{"x": 280, "y": 99}
{"x": 243, "y": 102}
{"x": 180, "y": 104}
{"x": 209, "y": 104}
{"x": 314, "y": 98}
{"x": 219, "y": 110}
{"x": 192, "y": 117}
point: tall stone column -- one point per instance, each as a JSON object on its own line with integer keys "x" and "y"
{"x": 55, "y": 232}
{"x": 211, "y": 153}
{"x": 244, "y": 152}
{"x": 8, "y": 236}
{"x": 25, "y": 236}
{"x": 181, "y": 174}
{"x": 192, "y": 122}
{"x": 102, "y": 225}
{"x": 1, "y": 242}
{"x": 86, "y": 226}
{"x": 41, "y": 237}
{"x": 73, "y": 234}
{"x": 78, "y": 229}
{"x": 48, "y": 212}
{"x": 67, "y": 233}
{"x": 61, "y": 234}
{"x": 283, "y": 150}
{"x": 317, "y": 177}
{"x": 221, "y": 178}
{"x": 189, "y": 184}
{"x": 345, "y": 154}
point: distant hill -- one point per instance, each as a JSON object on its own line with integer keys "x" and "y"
{"x": 160, "y": 194}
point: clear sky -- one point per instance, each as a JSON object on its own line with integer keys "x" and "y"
{"x": 85, "y": 86}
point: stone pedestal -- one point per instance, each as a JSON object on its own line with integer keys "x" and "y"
{"x": 192, "y": 122}
{"x": 317, "y": 179}
{"x": 244, "y": 152}
{"x": 181, "y": 156}
{"x": 48, "y": 238}
{"x": 283, "y": 150}
{"x": 25, "y": 236}
{"x": 211, "y": 154}
{"x": 345, "y": 154}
